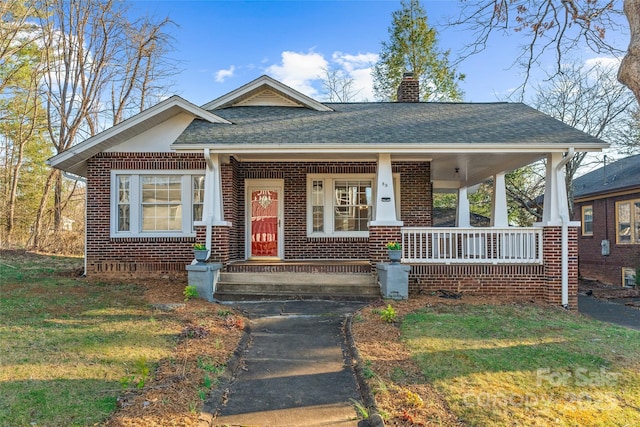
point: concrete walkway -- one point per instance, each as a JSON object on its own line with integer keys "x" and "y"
{"x": 612, "y": 312}
{"x": 294, "y": 370}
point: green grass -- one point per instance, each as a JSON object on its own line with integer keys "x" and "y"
{"x": 527, "y": 365}
{"x": 66, "y": 344}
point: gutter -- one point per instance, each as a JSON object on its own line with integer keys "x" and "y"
{"x": 565, "y": 230}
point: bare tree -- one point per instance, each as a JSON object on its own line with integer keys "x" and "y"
{"x": 589, "y": 99}
{"x": 99, "y": 64}
{"x": 550, "y": 27}
{"x": 338, "y": 86}
{"x": 629, "y": 72}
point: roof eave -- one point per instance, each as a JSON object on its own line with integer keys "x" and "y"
{"x": 387, "y": 148}
{"x": 72, "y": 160}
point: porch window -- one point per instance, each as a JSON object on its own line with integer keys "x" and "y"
{"x": 587, "y": 220}
{"x": 155, "y": 204}
{"x": 628, "y": 222}
{"x": 340, "y": 206}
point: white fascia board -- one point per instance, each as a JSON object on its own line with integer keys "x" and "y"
{"x": 386, "y": 148}
{"x": 233, "y": 96}
{"x": 130, "y": 123}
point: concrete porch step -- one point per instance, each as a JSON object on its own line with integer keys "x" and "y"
{"x": 265, "y": 286}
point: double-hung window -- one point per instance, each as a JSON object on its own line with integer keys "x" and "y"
{"x": 156, "y": 203}
{"x": 587, "y": 220}
{"x": 340, "y": 205}
{"x": 628, "y": 222}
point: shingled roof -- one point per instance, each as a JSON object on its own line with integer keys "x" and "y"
{"x": 620, "y": 175}
{"x": 387, "y": 123}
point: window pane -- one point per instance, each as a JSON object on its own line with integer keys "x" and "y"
{"x": 198, "y": 197}
{"x": 317, "y": 195}
{"x": 123, "y": 218}
{"x": 352, "y": 205}
{"x": 318, "y": 218}
{"x": 587, "y": 220}
{"x": 124, "y": 197}
{"x": 161, "y": 203}
{"x": 624, "y": 222}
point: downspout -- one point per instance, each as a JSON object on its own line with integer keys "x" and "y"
{"x": 564, "y": 220}
{"x": 210, "y": 169}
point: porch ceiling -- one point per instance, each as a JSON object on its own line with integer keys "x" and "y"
{"x": 473, "y": 167}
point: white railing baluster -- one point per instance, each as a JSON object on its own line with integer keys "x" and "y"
{"x": 475, "y": 245}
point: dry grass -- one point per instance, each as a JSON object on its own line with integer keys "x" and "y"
{"x": 481, "y": 363}
{"x": 76, "y": 352}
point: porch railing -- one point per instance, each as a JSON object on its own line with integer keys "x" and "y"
{"x": 475, "y": 245}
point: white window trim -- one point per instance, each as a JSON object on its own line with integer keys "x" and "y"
{"x": 135, "y": 221}
{"x": 329, "y": 208}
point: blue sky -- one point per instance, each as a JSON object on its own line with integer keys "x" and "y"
{"x": 222, "y": 45}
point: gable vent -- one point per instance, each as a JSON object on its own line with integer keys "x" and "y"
{"x": 267, "y": 98}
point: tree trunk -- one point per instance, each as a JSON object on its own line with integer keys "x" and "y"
{"x": 37, "y": 226}
{"x": 629, "y": 72}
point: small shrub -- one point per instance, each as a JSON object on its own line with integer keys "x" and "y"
{"x": 360, "y": 409}
{"x": 367, "y": 372}
{"x": 388, "y": 314}
{"x": 190, "y": 292}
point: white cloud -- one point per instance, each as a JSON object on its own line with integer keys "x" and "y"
{"x": 358, "y": 67}
{"x": 299, "y": 71}
{"x": 222, "y": 75}
{"x": 306, "y": 71}
{"x": 603, "y": 61}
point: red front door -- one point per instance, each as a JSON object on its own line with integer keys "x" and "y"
{"x": 264, "y": 222}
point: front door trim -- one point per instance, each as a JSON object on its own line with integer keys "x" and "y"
{"x": 276, "y": 185}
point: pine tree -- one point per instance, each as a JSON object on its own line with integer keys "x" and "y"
{"x": 412, "y": 47}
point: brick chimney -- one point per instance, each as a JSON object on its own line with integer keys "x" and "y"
{"x": 409, "y": 89}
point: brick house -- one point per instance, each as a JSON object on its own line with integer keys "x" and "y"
{"x": 607, "y": 201}
{"x": 273, "y": 182}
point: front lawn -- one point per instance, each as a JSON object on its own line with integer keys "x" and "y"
{"x": 511, "y": 364}
{"x": 78, "y": 352}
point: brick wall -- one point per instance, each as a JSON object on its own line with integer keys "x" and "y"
{"x": 594, "y": 265}
{"x": 139, "y": 257}
{"x": 540, "y": 283}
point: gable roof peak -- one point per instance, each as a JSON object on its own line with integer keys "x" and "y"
{"x": 262, "y": 84}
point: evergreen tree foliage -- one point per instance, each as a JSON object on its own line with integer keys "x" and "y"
{"x": 412, "y": 47}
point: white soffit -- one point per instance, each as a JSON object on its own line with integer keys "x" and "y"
{"x": 74, "y": 159}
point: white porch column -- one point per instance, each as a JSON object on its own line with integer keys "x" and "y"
{"x": 556, "y": 205}
{"x": 213, "y": 212}
{"x": 462, "y": 211}
{"x": 499, "y": 213}
{"x": 385, "y": 203}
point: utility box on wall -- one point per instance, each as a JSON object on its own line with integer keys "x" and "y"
{"x": 606, "y": 247}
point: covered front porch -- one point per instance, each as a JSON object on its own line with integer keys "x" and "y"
{"x": 538, "y": 262}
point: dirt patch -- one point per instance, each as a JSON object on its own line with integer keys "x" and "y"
{"x": 603, "y": 291}
{"x": 175, "y": 393}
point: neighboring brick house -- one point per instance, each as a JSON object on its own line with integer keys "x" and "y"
{"x": 272, "y": 180}
{"x": 607, "y": 201}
